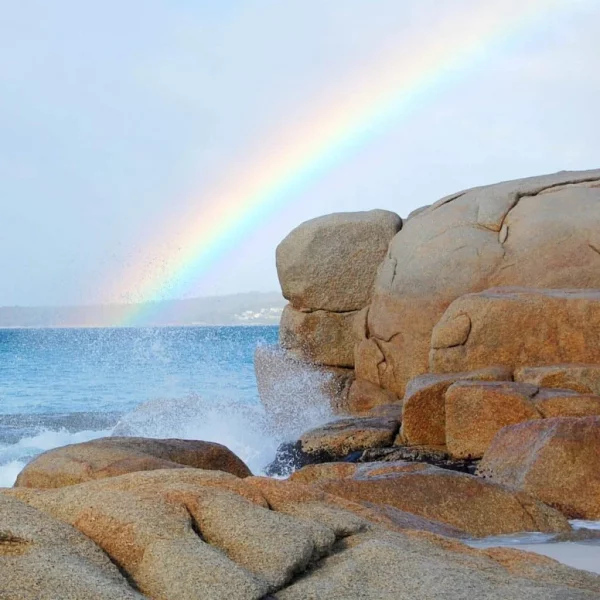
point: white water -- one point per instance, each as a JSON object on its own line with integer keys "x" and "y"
{"x": 578, "y": 554}
{"x": 14, "y": 457}
{"x": 244, "y": 429}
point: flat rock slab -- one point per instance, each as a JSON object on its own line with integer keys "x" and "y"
{"x": 471, "y": 504}
{"x": 554, "y": 460}
{"x": 113, "y": 456}
{"x": 188, "y": 534}
{"x": 340, "y": 438}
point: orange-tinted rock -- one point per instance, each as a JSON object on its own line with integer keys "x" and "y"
{"x": 584, "y": 379}
{"x": 287, "y": 495}
{"x": 554, "y": 460}
{"x": 365, "y": 396}
{"x": 423, "y": 416}
{"x": 471, "y": 504}
{"x": 539, "y": 232}
{"x": 340, "y": 438}
{"x": 44, "y": 559}
{"x": 566, "y": 403}
{"x": 147, "y": 523}
{"x": 113, "y": 456}
{"x": 476, "y": 411}
{"x": 320, "y": 336}
{"x": 324, "y": 471}
{"x": 518, "y": 327}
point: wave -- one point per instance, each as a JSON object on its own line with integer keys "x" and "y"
{"x": 246, "y": 429}
{"x": 14, "y": 457}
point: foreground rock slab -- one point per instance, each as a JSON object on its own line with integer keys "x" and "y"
{"x": 471, "y": 504}
{"x": 554, "y": 460}
{"x": 400, "y": 567}
{"x": 188, "y": 534}
{"x": 44, "y": 559}
{"x": 113, "y": 456}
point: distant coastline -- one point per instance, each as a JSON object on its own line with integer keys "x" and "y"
{"x": 248, "y": 309}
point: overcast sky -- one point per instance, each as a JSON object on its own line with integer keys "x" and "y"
{"x": 116, "y": 115}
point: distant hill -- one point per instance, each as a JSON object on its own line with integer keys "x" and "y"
{"x": 252, "y": 308}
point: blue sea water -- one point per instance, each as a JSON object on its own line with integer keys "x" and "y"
{"x": 59, "y": 386}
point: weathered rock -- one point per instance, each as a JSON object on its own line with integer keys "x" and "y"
{"x": 438, "y": 456}
{"x": 566, "y": 403}
{"x": 147, "y": 523}
{"x": 584, "y": 379}
{"x": 476, "y": 411}
{"x": 424, "y": 414}
{"x": 329, "y": 263}
{"x": 344, "y": 439}
{"x": 554, "y": 460}
{"x": 288, "y": 495}
{"x": 403, "y": 567}
{"x": 340, "y": 438}
{"x": 540, "y": 232}
{"x": 520, "y": 326}
{"x": 188, "y": 534}
{"x": 44, "y": 559}
{"x": 113, "y": 456}
{"x": 468, "y": 503}
{"x": 320, "y": 336}
{"x": 291, "y": 388}
{"x": 365, "y": 397}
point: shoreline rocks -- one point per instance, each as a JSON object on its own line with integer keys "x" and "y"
{"x": 113, "y": 456}
{"x": 555, "y": 460}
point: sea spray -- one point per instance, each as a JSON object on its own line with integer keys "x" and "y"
{"x": 14, "y": 457}
{"x": 205, "y": 377}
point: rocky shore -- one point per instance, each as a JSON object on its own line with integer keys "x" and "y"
{"x": 460, "y": 349}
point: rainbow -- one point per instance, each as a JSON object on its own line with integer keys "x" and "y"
{"x": 373, "y": 103}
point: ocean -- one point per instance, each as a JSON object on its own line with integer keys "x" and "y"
{"x": 61, "y": 386}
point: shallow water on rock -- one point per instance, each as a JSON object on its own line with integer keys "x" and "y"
{"x": 581, "y": 553}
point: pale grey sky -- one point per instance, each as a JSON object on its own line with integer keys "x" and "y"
{"x": 114, "y": 116}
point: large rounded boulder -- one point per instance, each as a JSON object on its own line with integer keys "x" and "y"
{"x": 540, "y": 232}
{"x": 329, "y": 263}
